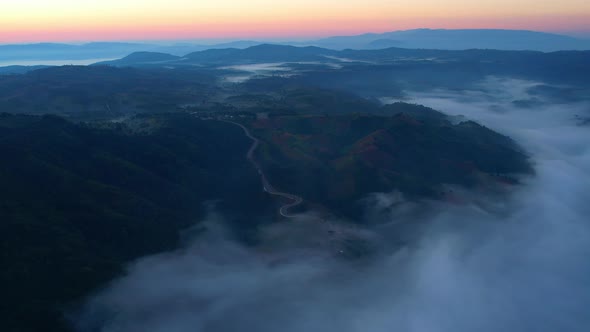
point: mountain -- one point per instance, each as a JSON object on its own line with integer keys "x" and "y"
{"x": 141, "y": 58}
{"x": 384, "y": 69}
{"x": 186, "y": 48}
{"x": 259, "y": 53}
{"x": 458, "y": 40}
{"x": 45, "y": 52}
{"x": 335, "y": 160}
{"x": 81, "y": 200}
{"x": 262, "y": 53}
{"x": 100, "y": 91}
{"x": 417, "y": 39}
{"x": 299, "y": 80}
{"x": 266, "y": 53}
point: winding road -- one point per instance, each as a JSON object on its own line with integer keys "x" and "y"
{"x": 295, "y": 200}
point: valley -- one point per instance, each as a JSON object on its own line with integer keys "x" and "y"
{"x": 299, "y": 153}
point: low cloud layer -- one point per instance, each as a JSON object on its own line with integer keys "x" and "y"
{"x": 519, "y": 264}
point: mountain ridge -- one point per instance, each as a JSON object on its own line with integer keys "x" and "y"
{"x": 460, "y": 39}
{"x": 269, "y": 53}
{"x": 451, "y": 39}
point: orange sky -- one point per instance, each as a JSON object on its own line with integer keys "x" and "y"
{"x": 87, "y": 20}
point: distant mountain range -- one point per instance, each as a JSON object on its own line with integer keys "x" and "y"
{"x": 262, "y": 53}
{"x": 458, "y": 40}
{"x": 102, "y": 50}
{"x": 271, "y": 53}
{"x": 413, "y": 39}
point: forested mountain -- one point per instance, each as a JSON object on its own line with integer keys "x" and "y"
{"x": 335, "y": 160}
{"x": 459, "y": 39}
{"x": 79, "y": 201}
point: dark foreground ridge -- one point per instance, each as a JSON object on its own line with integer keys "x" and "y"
{"x": 78, "y": 202}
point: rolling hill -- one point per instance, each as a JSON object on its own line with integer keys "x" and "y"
{"x": 336, "y": 160}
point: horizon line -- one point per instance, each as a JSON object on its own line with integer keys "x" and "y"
{"x": 579, "y": 34}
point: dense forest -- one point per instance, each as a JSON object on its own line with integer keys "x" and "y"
{"x": 336, "y": 160}
{"x": 79, "y": 201}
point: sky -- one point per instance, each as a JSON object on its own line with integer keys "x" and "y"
{"x": 91, "y": 20}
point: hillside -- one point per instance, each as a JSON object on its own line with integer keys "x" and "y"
{"x": 443, "y": 39}
{"x": 142, "y": 58}
{"x": 101, "y": 91}
{"x": 80, "y": 201}
{"x": 336, "y": 160}
{"x": 398, "y": 64}
{"x": 458, "y": 39}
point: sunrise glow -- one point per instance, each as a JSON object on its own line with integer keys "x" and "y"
{"x": 83, "y": 20}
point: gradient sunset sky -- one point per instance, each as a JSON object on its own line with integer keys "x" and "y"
{"x": 90, "y": 20}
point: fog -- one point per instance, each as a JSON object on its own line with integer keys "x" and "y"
{"x": 513, "y": 264}
{"x": 258, "y": 70}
